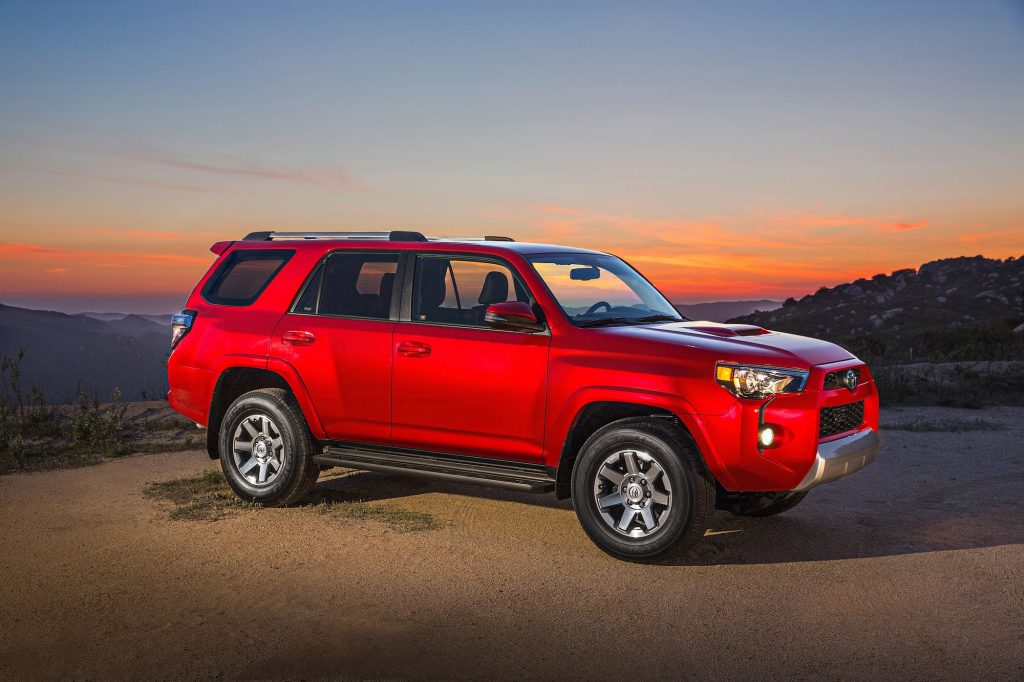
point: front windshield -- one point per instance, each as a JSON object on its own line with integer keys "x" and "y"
{"x": 597, "y": 290}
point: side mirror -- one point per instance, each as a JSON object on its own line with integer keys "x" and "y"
{"x": 512, "y": 315}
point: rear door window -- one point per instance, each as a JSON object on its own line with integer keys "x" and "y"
{"x": 244, "y": 275}
{"x": 357, "y": 285}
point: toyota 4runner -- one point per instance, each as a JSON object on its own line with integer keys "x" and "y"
{"x": 533, "y": 367}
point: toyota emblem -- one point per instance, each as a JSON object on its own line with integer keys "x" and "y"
{"x": 850, "y": 380}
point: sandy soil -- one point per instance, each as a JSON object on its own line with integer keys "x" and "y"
{"x": 912, "y": 569}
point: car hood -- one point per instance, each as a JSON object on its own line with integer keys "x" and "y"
{"x": 740, "y": 342}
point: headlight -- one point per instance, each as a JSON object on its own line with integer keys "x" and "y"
{"x": 752, "y": 381}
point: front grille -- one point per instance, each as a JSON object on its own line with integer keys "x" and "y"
{"x": 840, "y": 418}
{"x": 834, "y": 380}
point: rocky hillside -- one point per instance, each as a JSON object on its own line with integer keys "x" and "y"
{"x": 949, "y": 333}
{"x": 63, "y": 352}
{"x": 951, "y": 309}
{"x": 947, "y": 310}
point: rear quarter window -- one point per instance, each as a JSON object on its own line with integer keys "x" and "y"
{"x": 243, "y": 276}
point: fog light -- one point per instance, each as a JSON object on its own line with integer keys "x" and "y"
{"x": 766, "y": 436}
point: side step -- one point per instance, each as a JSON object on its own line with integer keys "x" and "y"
{"x": 523, "y": 477}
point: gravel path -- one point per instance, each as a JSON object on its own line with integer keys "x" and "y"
{"x": 912, "y": 569}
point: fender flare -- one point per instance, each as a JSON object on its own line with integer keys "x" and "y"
{"x": 282, "y": 369}
{"x": 678, "y": 406}
{"x": 298, "y": 388}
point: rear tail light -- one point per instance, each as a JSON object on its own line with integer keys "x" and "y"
{"x": 180, "y": 325}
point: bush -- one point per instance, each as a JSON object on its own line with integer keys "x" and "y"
{"x": 29, "y": 425}
{"x": 97, "y": 428}
{"x": 971, "y": 385}
{"x": 22, "y": 416}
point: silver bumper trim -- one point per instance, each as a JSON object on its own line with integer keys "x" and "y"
{"x": 841, "y": 457}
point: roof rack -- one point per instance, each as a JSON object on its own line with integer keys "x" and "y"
{"x": 393, "y": 235}
{"x": 485, "y": 238}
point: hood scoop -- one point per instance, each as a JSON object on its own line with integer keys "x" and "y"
{"x": 726, "y": 330}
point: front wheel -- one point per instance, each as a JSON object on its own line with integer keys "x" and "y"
{"x": 266, "y": 450}
{"x": 640, "y": 489}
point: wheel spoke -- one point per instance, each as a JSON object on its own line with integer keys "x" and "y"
{"x": 247, "y": 424}
{"x": 631, "y": 464}
{"x": 627, "y": 518}
{"x": 648, "y": 518}
{"x": 265, "y": 427}
{"x": 652, "y": 474}
{"x": 247, "y": 467}
{"x": 658, "y": 497}
{"x": 277, "y": 443}
{"x": 275, "y": 462}
{"x": 609, "y": 500}
{"x": 611, "y": 475}
{"x": 262, "y": 478}
{"x": 242, "y": 447}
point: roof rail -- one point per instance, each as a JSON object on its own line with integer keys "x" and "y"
{"x": 393, "y": 235}
{"x": 485, "y": 238}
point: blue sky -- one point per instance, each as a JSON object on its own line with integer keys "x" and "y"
{"x": 686, "y": 133}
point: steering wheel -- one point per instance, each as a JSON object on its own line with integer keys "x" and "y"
{"x": 593, "y": 309}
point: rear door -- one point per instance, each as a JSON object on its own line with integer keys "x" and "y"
{"x": 459, "y": 386}
{"x": 338, "y": 336}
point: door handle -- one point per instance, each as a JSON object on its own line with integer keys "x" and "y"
{"x": 298, "y": 338}
{"x": 413, "y": 349}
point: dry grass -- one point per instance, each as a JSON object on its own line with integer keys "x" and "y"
{"x": 207, "y": 497}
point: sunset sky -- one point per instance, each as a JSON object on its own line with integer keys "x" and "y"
{"x": 729, "y": 150}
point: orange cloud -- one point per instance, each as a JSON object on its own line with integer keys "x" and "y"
{"x": 822, "y": 220}
{"x": 29, "y": 268}
{"x": 35, "y": 251}
{"x": 758, "y": 253}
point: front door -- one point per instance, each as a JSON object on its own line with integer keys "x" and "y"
{"x": 459, "y": 386}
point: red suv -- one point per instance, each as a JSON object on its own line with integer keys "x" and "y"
{"x": 529, "y": 366}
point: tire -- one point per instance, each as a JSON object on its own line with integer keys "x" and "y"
{"x": 670, "y": 489}
{"x": 761, "y": 504}
{"x": 260, "y": 428}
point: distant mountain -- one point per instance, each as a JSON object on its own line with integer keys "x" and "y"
{"x": 720, "y": 311}
{"x": 967, "y": 308}
{"x": 65, "y": 351}
{"x": 111, "y": 317}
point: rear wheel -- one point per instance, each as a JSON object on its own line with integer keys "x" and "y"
{"x": 266, "y": 450}
{"x": 760, "y": 504}
{"x": 640, "y": 489}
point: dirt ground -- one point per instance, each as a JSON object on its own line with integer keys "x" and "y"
{"x": 912, "y": 569}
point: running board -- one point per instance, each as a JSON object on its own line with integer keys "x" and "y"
{"x": 522, "y": 477}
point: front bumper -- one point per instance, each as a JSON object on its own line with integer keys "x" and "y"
{"x": 841, "y": 457}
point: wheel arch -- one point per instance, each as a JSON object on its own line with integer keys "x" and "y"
{"x": 596, "y": 415}
{"x": 235, "y": 381}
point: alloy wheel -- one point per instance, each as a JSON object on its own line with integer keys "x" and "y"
{"x": 257, "y": 450}
{"x": 633, "y": 494}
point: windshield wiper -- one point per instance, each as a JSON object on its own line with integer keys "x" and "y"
{"x": 604, "y": 321}
{"x": 657, "y": 318}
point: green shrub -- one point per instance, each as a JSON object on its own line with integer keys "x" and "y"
{"x": 36, "y": 435}
{"x": 97, "y": 428}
